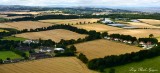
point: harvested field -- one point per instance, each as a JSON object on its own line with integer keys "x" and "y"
{"x": 25, "y": 25}
{"x": 141, "y": 25}
{"x": 69, "y": 21}
{"x": 55, "y": 35}
{"x": 151, "y": 21}
{"x": 97, "y": 27}
{"x": 52, "y": 65}
{"x": 33, "y": 13}
{"x": 138, "y": 32}
{"x": 102, "y": 48}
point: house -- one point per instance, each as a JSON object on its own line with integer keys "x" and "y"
{"x": 46, "y": 49}
{"x": 107, "y": 21}
{"x": 129, "y": 42}
{"x": 59, "y": 50}
{"x": 39, "y": 55}
{"x": 30, "y": 41}
{"x": 125, "y": 41}
{"x": 116, "y": 39}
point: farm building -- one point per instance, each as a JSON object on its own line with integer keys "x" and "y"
{"x": 46, "y": 49}
{"x": 59, "y": 50}
{"x": 30, "y": 41}
{"x": 107, "y": 21}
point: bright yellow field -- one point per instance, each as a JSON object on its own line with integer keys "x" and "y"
{"x": 97, "y": 27}
{"x": 141, "y": 25}
{"x": 151, "y": 21}
{"x": 138, "y": 32}
{"x": 55, "y": 35}
{"x": 70, "y": 21}
{"x": 25, "y": 25}
{"x": 102, "y": 48}
{"x": 52, "y": 65}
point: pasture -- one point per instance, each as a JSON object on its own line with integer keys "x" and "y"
{"x": 69, "y": 21}
{"x": 151, "y": 21}
{"x": 52, "y": 65}
{"x": 102, "y": 48}
{"x": 55, "y": 35}
{"x": 148, "y": 65}
{"x": 97, "y": 27}
{"x": 139, "y": 33}
{"x": 8, "y": 54}
{"x": 13, "y": 38}
{"x": 25, "y": 25}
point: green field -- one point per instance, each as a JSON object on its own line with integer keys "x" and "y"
{"x": 8, "y": 54}
{"x": 14, "y": 38}
{"x": 146, "y": 66}
{"x": 2, "y": 30}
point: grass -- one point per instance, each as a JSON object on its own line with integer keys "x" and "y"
{"x": 2, "y": 30}
{"x": 153, "y": 64}
{"x": 8, "y": 54}
{"x": 14, "y": 38}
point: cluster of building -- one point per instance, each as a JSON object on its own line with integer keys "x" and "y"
{"x": 147, "y": 45}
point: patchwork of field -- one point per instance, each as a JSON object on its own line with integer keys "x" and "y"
{"x": 33, "y": 13}
{"x": 141, "y": 25}
{"x": 149, "y": 66}
{"x": 102, "y": 48}
{"x": 55, "y": 35}
{"x": 97, "y": 27}
{"x": 139, "y": 33}
{"x": 8, "y": 54}
{"x": 151, "y": 21}
{"x": 25, "y": 25}
{"x": 52, "y": 65}
{"x": 69, "y": 21}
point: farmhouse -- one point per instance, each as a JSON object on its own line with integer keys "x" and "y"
{"x": 59, "y": 50}
{"x": 46, "y": 49}
{"x": 30, "y": 41}
{"x": 107, "y": 21}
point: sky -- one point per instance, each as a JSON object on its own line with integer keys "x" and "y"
{"x": 90, "y": 3}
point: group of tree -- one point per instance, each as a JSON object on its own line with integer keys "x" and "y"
{"x": 116, "y": 60}
{"x": 123, "y": 37}
{"x": 83, "y": 58}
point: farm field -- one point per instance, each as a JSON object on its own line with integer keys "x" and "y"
{"x": 151, "y": 21}
{"x": 102, "y": 48}
{"x": 55, "y": 35}
{"x": 152, "y": 63}
{"x": 139, "y": 33}
{"x": 52, "y": 65}
{"x": 69, "y": 21}
{"x": 97, "y": 27}
{"x": 8, "y": 54}
{"x": 13, "y": 38}
{"x": 33, "y": 13}
{"x": 2, "y": 30}
{"x": 141, "y": 25}
{"x": 25, "y": 25}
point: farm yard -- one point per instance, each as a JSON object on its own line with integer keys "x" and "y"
{"x": 8, "y": 54}
{"x": 25, "y": 25}
{"x": 151, "y": 21}
{"x": 102, "y": 48}
{"x": 55, "y": 35}
{"x": 69, "y": 21}
{"x": 52, "y": 65}
{"x": 139, "y": 33}
{"x": 97, "y": 27}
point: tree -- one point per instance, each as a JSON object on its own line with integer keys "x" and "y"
{"x": 1, "y": 61}
{"x": 83, "y": 58}
{"x": 151, "y": 36}
{"x": 73, "y": 48}
{"x": 104, "y": 34}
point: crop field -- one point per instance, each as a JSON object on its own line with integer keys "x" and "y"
{"x": 141, "y": 25}
{"x": 25, "y": 25}
{"x": 52, "y": 65}
{"x": 33, "y": 13}
{"x": 139, "y": 33}
{"x": 151, "y": 21}
{"x": 69, "y": 21}
{"x": 8, "y": 54}
{"x": 148, "y": 65}
{"x": 55, "y": 35}
{"x": 102, "y": 48}
{"x": 97, "y": 27}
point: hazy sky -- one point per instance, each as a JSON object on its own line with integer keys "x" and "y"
{"x": 92, "y": 3}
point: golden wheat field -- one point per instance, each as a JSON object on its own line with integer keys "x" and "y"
{"x": 25, "y": 25}
{"x": 97, "y": 27}
{"x": 52, "y": 65}
{"x": 141, "y": 25}
{"x": 55, "y": 35}
{"x": 102, "y": 48}
{"x": 139, "y": 33}
{"x": 33, "y": 13}
{"x": 69, "y": 21}
{"x": 151, "y": 21}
